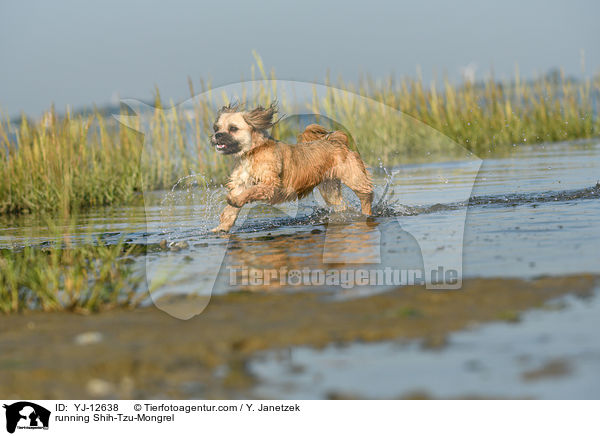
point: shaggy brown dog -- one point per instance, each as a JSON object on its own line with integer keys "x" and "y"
{"x": 275, "y": 172}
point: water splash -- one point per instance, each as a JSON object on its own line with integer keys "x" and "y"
{"x": 192, "y": 198}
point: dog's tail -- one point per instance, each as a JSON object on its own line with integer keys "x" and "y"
{"x": 314, "y": 132}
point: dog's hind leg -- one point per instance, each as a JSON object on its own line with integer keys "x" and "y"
{"x": 354, "y": 175}
{"x": 331, "y": 191}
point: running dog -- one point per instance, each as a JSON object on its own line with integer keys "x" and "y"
{"x": 275, "y": 172}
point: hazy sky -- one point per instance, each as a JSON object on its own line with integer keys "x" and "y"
{"x": 78, "y": 53}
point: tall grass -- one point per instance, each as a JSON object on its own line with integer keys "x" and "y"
{"x": 64, "y": 165}
{"x": 69, "y": 163}
{"x": 491, "y": 116}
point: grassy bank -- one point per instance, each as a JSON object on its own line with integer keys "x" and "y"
{"x": 69, "y": 163}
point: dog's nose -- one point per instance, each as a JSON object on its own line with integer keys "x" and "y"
{"x": 219, "y": 136}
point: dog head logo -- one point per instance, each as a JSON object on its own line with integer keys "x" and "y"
{"x": 26, "y": 415}
{"x": 191, "y": 208}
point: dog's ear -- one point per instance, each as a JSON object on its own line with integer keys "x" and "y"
{"x": 261, "y": 118}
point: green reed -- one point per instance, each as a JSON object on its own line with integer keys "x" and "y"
{"x": 69, "y": 163}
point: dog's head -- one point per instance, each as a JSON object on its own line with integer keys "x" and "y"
{"x": 237, "y": 131}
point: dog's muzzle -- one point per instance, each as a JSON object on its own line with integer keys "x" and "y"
{"x": 224, "y": 143}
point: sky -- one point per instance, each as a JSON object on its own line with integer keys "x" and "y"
{"x": 77, "y": 53}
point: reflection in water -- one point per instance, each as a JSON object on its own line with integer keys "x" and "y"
{"x": 332, "y": 257}
{"x": 357, "y": 242}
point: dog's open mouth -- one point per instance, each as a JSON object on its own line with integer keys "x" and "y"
{"x": 227, "y": 147}
{"x": 224, "y": 143}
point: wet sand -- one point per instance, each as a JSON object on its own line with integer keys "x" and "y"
{"x": 145, "y": 353}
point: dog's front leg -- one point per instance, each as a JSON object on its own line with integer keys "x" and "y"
{"x": 264, "y": 190}
{"x": 260, "y": 192}
{"x": 227, "y": 219}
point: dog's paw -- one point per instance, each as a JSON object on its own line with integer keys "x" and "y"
{"x": 219, "y": 229}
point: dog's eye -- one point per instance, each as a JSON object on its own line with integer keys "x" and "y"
{"x": 215, "y": 127}
{"x": 233, "y": 129}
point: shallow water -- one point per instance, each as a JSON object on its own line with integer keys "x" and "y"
{"x": 533, "y": 213}
{"x": 550, "y": 354}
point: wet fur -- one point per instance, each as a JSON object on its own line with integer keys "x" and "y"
{"x": 276, "y": 172}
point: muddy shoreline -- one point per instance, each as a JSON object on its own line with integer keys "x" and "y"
{"x": 145, "y": 353}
